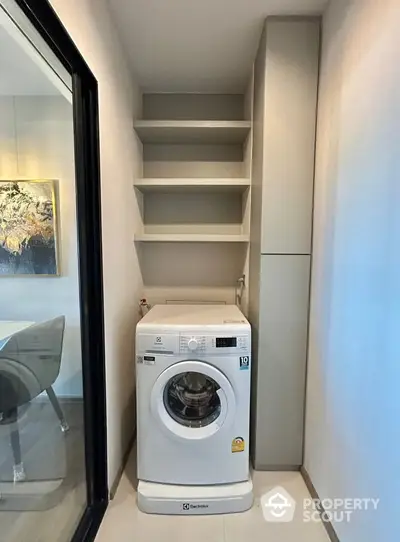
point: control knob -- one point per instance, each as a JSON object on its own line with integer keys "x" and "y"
{"x": 193, "y": 344}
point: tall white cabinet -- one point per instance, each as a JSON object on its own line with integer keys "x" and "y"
{"x": 285, "y": 99}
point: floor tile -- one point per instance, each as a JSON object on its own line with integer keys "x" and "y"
{"x": 126, "y": 522}
{"x": 123, "y": 520}
{"x": 252, "y": 526}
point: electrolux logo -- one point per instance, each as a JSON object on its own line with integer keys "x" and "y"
{"x": 188, "y": 506}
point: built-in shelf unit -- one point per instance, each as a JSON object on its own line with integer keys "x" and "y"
{"x": 194, "y": 195}
{"x": 200, "y": 152}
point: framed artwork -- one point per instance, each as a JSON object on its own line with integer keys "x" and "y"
{"x": 28, "y": 228}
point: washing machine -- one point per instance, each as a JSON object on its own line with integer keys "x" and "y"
{"x": 193, "y": 407}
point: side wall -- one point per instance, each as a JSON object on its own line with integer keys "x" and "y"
{"x": 90, "y": 26}
{"x": 353, "y": 400}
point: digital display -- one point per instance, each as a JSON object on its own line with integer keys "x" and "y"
{"x": 225, "y": 342}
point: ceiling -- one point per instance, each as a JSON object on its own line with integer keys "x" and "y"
{"x": 197, "y": 45}
{"x": 19, "y": 74}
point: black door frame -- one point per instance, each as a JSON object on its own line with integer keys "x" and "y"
{"x": 88, "y": 204}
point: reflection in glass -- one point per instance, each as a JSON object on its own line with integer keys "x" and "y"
{"x": 42, "y": 456}
{"x": 29, "y": 364}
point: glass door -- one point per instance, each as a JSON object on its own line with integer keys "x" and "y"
{"x": 192, "y": 400}
{"x": 47, "y": 398}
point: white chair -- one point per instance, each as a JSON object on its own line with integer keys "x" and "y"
{"x": 29, "y": 364}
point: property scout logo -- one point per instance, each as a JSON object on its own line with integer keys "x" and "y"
{"x": 279, "y": 506}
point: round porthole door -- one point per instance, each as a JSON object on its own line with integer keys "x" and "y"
{"x": 193, "y": 400}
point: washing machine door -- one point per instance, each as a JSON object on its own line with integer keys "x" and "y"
{"x": 193, "y": 400}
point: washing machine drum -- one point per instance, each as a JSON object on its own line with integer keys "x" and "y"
{"x": 192, "y": 399}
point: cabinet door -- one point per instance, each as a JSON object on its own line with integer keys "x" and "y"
{"x": 282, "y": 350}
{"x": 292, "y": 51}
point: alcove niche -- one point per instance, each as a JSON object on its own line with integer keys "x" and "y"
{"x": 194, "y": 196}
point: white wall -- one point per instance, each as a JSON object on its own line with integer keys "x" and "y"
{"x": 36, "y": 142}
{"x": 91, "y": 28}
{"x": 353, "y": 400}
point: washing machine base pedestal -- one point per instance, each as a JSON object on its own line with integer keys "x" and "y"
{"x": 200, "y": 500}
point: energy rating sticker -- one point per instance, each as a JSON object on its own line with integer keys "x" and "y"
{"x": 237, "y": 445}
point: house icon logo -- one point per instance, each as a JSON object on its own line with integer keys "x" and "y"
{"x": 278, "y": 505}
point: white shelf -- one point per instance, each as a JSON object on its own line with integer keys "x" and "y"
{"x": 192, "y": 131}
{"x": 192, "y": 185}
{"x": 191, "y": 238}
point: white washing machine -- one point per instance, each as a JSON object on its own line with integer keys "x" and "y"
{"x": 193, "y": 402}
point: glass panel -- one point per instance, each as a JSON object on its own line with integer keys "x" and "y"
{"x": 42, "y": 459}
{"x": 191, "y": 399}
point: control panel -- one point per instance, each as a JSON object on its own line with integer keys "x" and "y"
{"x": 186, "y": 343}
{"x": 213, "y": 344}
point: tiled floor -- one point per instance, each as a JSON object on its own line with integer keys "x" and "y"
{"x": 123, "y": 521}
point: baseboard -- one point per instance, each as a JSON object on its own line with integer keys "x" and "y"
{"x": 276, "y": 468}
{"x": 313, "y": 492}
{"x": 117, "y": 480}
